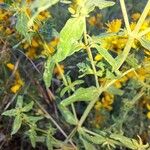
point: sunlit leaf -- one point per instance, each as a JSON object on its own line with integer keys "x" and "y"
{"x": 69, "y": 35}
{"x": 48, "y": 72}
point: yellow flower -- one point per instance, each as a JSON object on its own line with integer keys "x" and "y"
{"x": 43, "y": 15}
{"x": 34, "y": 43}
{"x": 114, "y": 26}
{"x": 57, "y": 70}
{"x": 50, "y": 47}
{"x": 148, "y": 115}
{"x": 118, "y": 84}
{"x": 107, "y": 101}
{"x": 148, "y": 106}
{"x": 10, "y": 66}
{"x": 98, "y": 57}
{"x": 31, "y": 53}
{"x": 18, "y": 83}
{"x": 135, "y": 16}
{"x": 8, "y": 31}
{"x": 15, "y": 88}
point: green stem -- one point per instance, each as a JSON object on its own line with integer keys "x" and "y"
{"x": 124, "y": 11}
{"x": 73, "y": 132}
{"x": 87, "y": 110}
{"x": 132, "y": 36}
{"x": 90, "y": 57}
{"x": 66, "y": 84}
{"x": 142, "y": 18}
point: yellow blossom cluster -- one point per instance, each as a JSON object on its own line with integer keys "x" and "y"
{"x": 116, "y": 44}
{"x": 106, "y": 102}
{"x": 18, "y": 82}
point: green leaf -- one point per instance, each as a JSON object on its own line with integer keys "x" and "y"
{"x": 103, "y": 52}
{"x": 67, "y": 115}
{"x": 34, "y": 119}
{"x": 19, "y": 102}
{"x": 16, "y": 124}
{"x": 82, "y": 94}
{"x": 101, "y": 4}
{"x": 9, "y": 113}
{"x": 145, "y": 43}
{"x": 32, "y": 135}
{"x": 70, "y": 87}
{"x": 49, "y": 67}
{"x": 124, "y": 140}
{"x": 115, "y": 91}
{"x": 28, "y": 107}
{"x": 48, "y": 141}
{"x": 132, "y": 61}
{"x": 22, "y": 27}
{"x": 69, "y": 36}
{"x": 38, "y": 6}
{"x": 87, "y": 145}
{"x": 97, "y": 139}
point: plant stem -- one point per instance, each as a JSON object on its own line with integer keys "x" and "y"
{"x": 66, "y": 84}
{"x": 73, "y": 132}
{"x": 142, "y": 18}
{"x": 124, "y": 11}
{"x": 90, "y": 57}
{"x": 132, "y": 35}
{"x": 87, "y": 110}
{"x": 142, "y": 33}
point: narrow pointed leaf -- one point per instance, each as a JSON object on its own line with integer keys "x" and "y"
{"x": 16, "y": 124}
{"x": 28, "y": 107}
{"x": 19, "y": 101}
{"x": 32, "y": 135}
{"x": 11, "y": 112}
{"x": 66, "y": 113}
{"x": 47, "y": 76}
{"x": 82, "y": 94}
{"x": 107, "y": 56}
{"x": 145, "y": 43}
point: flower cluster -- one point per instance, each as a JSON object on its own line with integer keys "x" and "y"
{"x": 18, "y": 82}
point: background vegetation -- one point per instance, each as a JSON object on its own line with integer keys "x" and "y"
{"x": 75, "y": 74}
